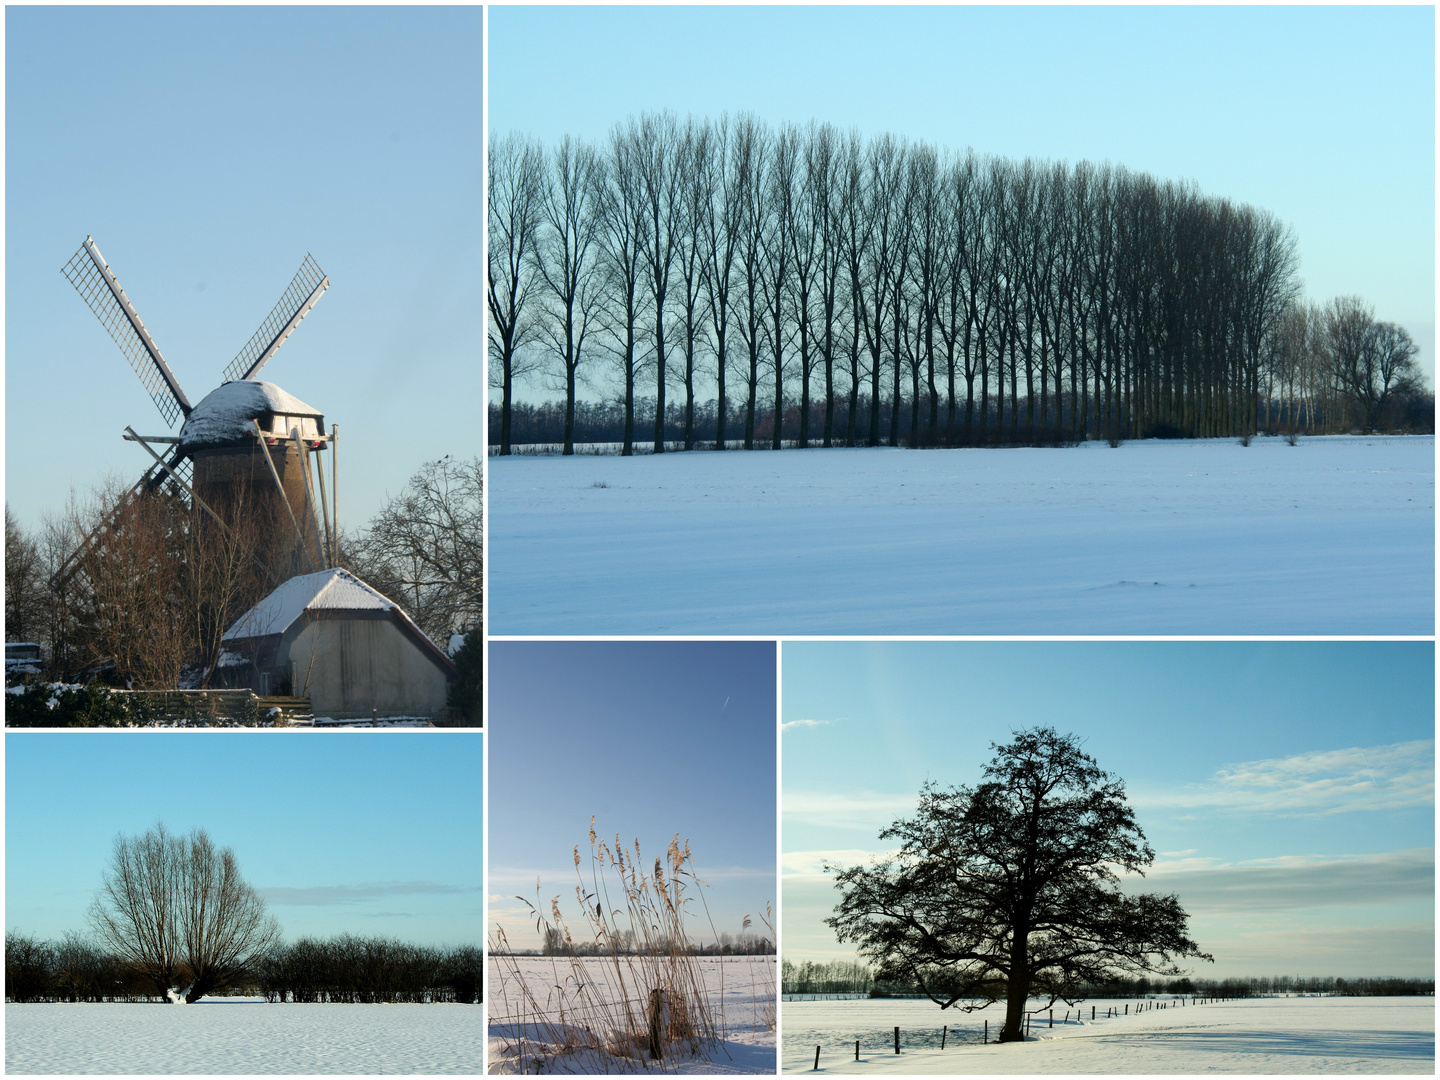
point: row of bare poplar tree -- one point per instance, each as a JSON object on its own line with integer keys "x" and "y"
{"x": 798, "y": 265}
{"x": 148, "y": 606}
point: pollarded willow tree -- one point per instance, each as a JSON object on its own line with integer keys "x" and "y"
{"x": 180, "y": 914}
{"x": 1009, "y": 890}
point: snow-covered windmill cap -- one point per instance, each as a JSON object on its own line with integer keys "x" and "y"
{"x": 225, "y": 414}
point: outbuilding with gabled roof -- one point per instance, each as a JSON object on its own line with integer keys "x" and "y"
{"x": 350, "y": 649}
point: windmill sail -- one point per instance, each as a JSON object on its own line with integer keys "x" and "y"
{"x": 93, "y": 280}
{"x": 302, "y": 294}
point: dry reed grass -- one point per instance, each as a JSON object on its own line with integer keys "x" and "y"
{"x": 598, "y": 1014}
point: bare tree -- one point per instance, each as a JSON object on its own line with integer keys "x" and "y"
{"x": 927, "y": 271}
{"x": 693, "y": 165}
{"x": 132, "y": 608}
{"x": 620, "y": 206}
{"x": 565, "y": 256}
{"x": 223, "y": 921}
{"x": 1371, "y": 361}
{"x": 24, "y": 584}
{"x": 225, "y": 571}
{"x": 885, "y": 172}
{"x": 515, "y": 173}
{"x": 807, "y": 232}
{"x": 855, "y": 230}
{"x": 425, "y": 545}
{"x": 656, "y": 146}
{"x": 178, "y": 911}
{"x": 751, "y": 148}
{"x": 824, "y": 204}
{"x": 902, "y": 187}
{"x": 780, "y": 196}
{"x": 719, "y": 226}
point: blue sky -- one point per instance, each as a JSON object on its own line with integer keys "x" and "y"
{"x": 207, "y": 149}
{"x": 1287, "y": 788}
{"x": 1323, "y": 115}
{"x": 360, "y": 832}
{"x": 653, "y": 739}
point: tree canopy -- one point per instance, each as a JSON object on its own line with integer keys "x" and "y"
{"x": 1011, "y": 888}
{"x": 177, "y": 911}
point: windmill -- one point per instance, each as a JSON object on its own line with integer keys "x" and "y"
{"x": 245, "y": 434}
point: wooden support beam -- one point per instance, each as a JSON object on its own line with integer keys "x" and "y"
{"x": 265, "y": 453}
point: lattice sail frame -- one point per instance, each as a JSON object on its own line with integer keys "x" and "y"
{"x": 303, "y": 292}
{"x": 87, "y": 271}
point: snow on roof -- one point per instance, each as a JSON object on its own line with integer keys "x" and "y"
{"x": 332, "y": 590}
{"x": 224, "y": 414}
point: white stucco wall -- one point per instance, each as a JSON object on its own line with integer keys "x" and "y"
{"x": 356, "y": 667}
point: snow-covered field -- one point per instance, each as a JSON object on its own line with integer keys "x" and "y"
{"x": 1263, "y": 1035}
{"x": 742, "y": 1004}
{"x": 243, "y": 1035}
{"x": 1333, "y": 536}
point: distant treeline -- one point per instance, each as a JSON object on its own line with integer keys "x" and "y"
{"x": 728, "y": 945}
{"x": 603, "y": 422}
{"x": 354, "y": 970}
{"x": 72, "y": 969}
{"x": 346, "y": 968}
{"x": 852, "y": 977}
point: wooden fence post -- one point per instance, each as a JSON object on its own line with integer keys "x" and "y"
{"x": 857, "y": 1049}
{"x": 659, "y": 1022}
{"x": 943, "y": 1031}
{"x": 1092, "y": 1012}
{"x": 987, "y": 1032}
{"x": 897, "y": 1038}
{"x": 817, "y": 1058}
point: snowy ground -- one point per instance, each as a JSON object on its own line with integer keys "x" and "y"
{"x": 1271, "y": 1035}
{"x": 742, "y": 1003}
{"x": 243, "y": 1035}
{"x": 1333, "y": 536}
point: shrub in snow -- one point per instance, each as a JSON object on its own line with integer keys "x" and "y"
{"x": 66, "y": 705}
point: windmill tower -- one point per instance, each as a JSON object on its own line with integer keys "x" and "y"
{"x": 246, "y": 442}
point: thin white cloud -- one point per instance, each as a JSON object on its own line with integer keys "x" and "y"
{"x": 813, "y": 863}
{"x": 786, "y": 725}
{"x": 1207, "y": 886}
{"x": 324, "y": 895}
{"x": 1396, "y": 776}
{"x": 562, "y": 879}
{"x": 868, "y": 810}
{"x": 523, "y": 878}
{"x": 1334, "y": 949}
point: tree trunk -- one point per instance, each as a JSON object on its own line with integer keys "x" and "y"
{"x": 569, "y": 409}
{"x": 505, "y": 399}
{"x": 659, "y": 377}
{"x": 1017, "y": 987}
{"x": 720, "y": 405}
